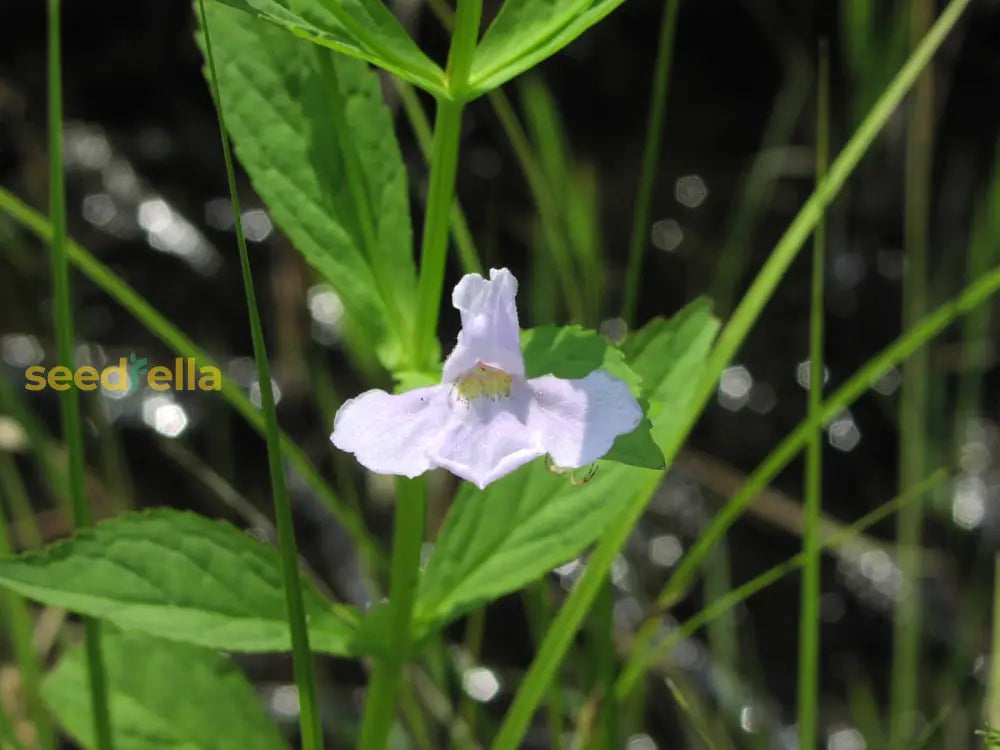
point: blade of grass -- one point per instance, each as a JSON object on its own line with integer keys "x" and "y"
{"x": 650, "y": 159}
{"x": 809, "y": 618}
{"x": 183, "y": 346}
{"x": 310, "y": 724}
{"x": 993, "y": 688}
{"x": 643, "y": 653}
{"x": 913, "y": 416}
{"x": 981, "y": 252}
{"x": 15, "y": 608}
{"x": 567, "y": 622}
{"x": 538, "y": 604}
{"x": 69, "y": 401}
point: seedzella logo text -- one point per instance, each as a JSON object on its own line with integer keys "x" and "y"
{"x": 127, "y": 374}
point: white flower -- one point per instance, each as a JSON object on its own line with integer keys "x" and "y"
{"x": 485, "y": 419}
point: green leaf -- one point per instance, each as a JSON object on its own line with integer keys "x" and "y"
{"x": 162, "y": 695}
{"x": 525, "y": 32}
{"x": 180, "y": 576}
{"x": 496, "y": 540}
{"x": 364, "y": 29}
{"x": 573, "y": 352}
{"x": 313, "y": 133}
{"x": 669, "y": 355}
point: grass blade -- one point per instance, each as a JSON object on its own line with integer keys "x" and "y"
{"x": 809, "y": 619}
{"x": 305, "y": 677}
{"x": 69, "y": 400}
{"x": 650, "y": 159}
{"x": 914, "y": 400}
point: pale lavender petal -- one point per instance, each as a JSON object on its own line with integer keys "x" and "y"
{"x": 390, "y": 434}
{"x": 487, "y": 439}
{"x": 577, "y": 421}
{"x": 490, "y": 332}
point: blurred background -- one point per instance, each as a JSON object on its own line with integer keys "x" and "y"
{"x": 556, "y": 161}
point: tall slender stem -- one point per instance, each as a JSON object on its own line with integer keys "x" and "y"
{"x": 408, "y": 538}
{"x": 913, "y": 424}
{"x": 69, "y": 401}
{"x": 305, "y": 678}
{"x": 993, "y": 687}
{"x": 441, "y": 188}
{"x": 650, "y": 157}
{"x": 811, "y": 541}
{"x": 434, "y": 245}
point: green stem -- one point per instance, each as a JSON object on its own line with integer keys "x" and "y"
{"x": 434, "y": 244}
{"x": 408, "y": 538}
{"x": 567, "y": 622}
{"x": 180, "y": 344}
{"x": 441, "y": 187}
{"x": 650, "y": 159}
{"x": 69, "y": 399}
{"x": 913, "y": 421}
{"x": 305, "y": 678}
{"x": 809, "y": 635}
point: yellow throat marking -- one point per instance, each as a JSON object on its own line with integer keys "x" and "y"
{"x": 481, "y": 381}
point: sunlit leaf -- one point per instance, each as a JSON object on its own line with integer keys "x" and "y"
{"x": 162, "y": 695}
{"x": 313, "y": 133}
{"x": 573, "y": 352}
{"x": 180, "y": 576}
{"x": 525, "y": 32}
{"x": 364, "y": 29}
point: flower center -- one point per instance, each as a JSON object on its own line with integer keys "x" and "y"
{"x": 483, "y": 380}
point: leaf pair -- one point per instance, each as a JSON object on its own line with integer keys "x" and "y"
{"x": 524, "y": 33}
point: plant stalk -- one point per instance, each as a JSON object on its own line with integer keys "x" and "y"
{"x": 305, "y": 678}
{"x": 69, "y": 400}
{"x": 408, "y": 539}
{"x": 441, "y": 187}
